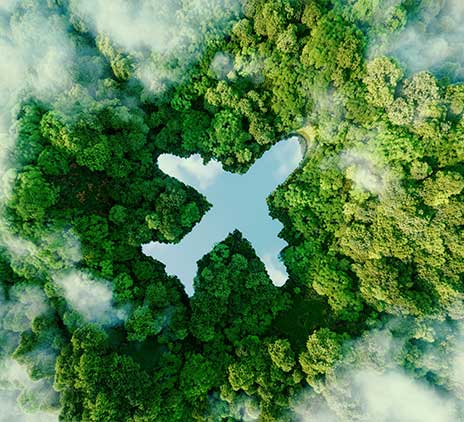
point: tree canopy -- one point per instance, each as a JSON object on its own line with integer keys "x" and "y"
{"x": 372, "y": 218}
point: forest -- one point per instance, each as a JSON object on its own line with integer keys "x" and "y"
{"x": 369, "y": 324}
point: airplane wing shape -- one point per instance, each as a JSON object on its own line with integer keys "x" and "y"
{"x": 239, "y": 202}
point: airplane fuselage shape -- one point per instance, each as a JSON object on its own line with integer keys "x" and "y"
{"x": 238, "y": 202}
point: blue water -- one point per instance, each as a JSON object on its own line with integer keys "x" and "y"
{"x": 239, "y": 202}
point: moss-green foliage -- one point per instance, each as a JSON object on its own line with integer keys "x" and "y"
{"x": 323, "y": 350}
{"x": 233, "y": 279}
{"x": 373, "y": 218}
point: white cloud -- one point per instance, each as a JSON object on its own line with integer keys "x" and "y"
{"x": 24, "y": 305}
{"x": 17, "y": 390}
{"x": 225, "y": 66}
{"x": 367, "y": 395}
{"x": 92, "y": 299}
{"x": 8, "y": 5}
{"x": 222, "y": 65}
{"x": 431, "y": 39}
{"x": 37, "y": 54}
{"x": 11, "y": 411}
{"x": 190, "y": 170}
{"x": 395, "y": 396}
{"x": 289, "y": 157}
{"x": 370, "y": 383}
{"x": 365, "y": 170}
{"x": 28, "y": 256}
{"x": 275, "y": 269}
{"x": 158, "y": 33}
{"x": 36, "y": 59}
{"x": 241, "y": 408}
{"x": 22, "y": 399}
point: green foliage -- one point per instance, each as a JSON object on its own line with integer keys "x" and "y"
{"x": 233, "y": 293}
{"x": 112, "y": 386}
{"x": 29, "y": 143}
{"x": 33, "y": 195}
{"x": 229, "y": 135}
{"x": 282, "y": 355}
{"x": 381, "y": 80}
{"x": 121, "y": 64}
{"x": 198, "y": 376}
{"x": 335, "y": 54}
{"x": 373, "y": 219}
{"x": 323, "y": 348}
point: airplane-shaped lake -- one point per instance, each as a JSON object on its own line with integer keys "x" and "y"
{"x": 238, "y": 202}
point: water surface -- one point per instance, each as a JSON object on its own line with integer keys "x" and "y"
{"x": 239, "y": 202}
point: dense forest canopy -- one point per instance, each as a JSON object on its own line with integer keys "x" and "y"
{"x": 93, "y": 92}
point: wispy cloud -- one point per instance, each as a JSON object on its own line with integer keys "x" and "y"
{"x": 371, "y": 384}
{"x": 365, "y": 170}
{"x": 21, "y": 398}
{"x": 37, "y": 53}
{"x": 191, "y": 170}
{"x": 92, "y": 299}
{"x": 289, "y": 157}
{"x": 275, "y": 269}
{"x": 430, "y": 40}
{"x": 159, "y": 33}
{"x": 37, "y": 59}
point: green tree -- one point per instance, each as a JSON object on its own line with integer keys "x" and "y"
{"x": 282, "y": 354}
{"x": 33, "y": 195}
{"x": 381, "y": 80}
{"x": 323, "y": 349}
{"x": 233, "y": 293}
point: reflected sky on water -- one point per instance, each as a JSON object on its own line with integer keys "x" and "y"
{"x": 239, "y": 202}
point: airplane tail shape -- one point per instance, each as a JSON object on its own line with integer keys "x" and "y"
{"x": 239, "y": 202}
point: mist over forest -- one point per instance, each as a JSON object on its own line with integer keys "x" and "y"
{"x": 368, "y": 324}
